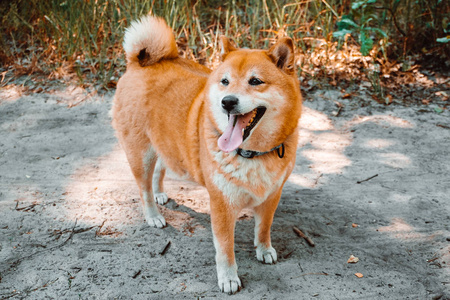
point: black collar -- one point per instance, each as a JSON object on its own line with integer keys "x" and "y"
{"x": 251, "y": 154}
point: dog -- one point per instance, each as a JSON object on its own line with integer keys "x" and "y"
{"x": 232, "y": 130}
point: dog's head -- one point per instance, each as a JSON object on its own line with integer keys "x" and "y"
{"x": 254, "y": 96}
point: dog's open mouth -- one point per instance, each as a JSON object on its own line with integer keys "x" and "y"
{"x": 239, "y": 128}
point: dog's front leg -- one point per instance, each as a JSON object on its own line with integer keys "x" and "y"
{"x": 223, "y": 220}
{"x": 263, "y": 222}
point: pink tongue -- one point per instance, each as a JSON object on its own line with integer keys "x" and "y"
{"x": 232, "y": 136}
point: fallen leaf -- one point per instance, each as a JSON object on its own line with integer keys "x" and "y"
{"x": 426, "y": 101}
{"x": 354, "y": 225}
{"x": 359, "y": 275}
{"x": 112, "y": 84}
{"x": 444, "y": 96}
{"x": 348, "y": 95}
{"x": 388, "y": 99}
{"x": 352, "y": 259}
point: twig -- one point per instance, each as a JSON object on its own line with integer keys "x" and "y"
{"x": 288, "y": 255}
{"x": 27, "y": 292}
{"x": 320, "y": 273}
{"x": 435, "y": 256}
{"x": 300, "y": 267}
{"x": 83, "y": 229}
{"x": 317, "y": 179}
{"x": 367, "y": 179}
{"x": 25, "y": 208}
{"x": 72, "y": 232}
{"x": 97, "y": 232}
{"x": 3, "y": 76}
{"x": 18, "y": 261}
{"x": 7, "y": 296}
{"x": 443, "y": 126}
{"x": 302, "y": 235}
{"x": 340, "y": 106}
{"x": 3, "y": 83}
{"x": 136, "y": 274}
{"x": 313, "y": 273}
{"x": 163, "y": 252}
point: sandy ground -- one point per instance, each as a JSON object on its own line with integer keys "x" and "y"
{"x": 71, "y": 225}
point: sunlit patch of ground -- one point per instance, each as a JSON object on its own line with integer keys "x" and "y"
{"x": 10, "y": 93}
{"x": 378, "y": 143}
{"x": 400, "y": 229}
{"x": 326, "y": 148}
{"x": 383, "y": 120}
{"x": 395, "y": 160}
{"x": 105, "y": 192}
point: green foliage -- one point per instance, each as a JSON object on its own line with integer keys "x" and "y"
{"x": 357, "y": 23}
{"x": 85, "y": 36}
{"x": 438, "y": 110}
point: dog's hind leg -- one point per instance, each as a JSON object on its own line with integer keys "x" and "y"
{"x": 158, "y": 178}
{"x": 142, "y": 163}
{"x": 152, "y": 215}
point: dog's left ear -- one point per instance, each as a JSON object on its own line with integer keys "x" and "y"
{"x": 282, "y": 54}
{"x": 225, "y": 47}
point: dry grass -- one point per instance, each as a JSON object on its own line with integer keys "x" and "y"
{"x": 336, "y": 39}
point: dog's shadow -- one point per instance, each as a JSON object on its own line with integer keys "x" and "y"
{"x": 187, "y": 216}
{"x": 181, "y": 217}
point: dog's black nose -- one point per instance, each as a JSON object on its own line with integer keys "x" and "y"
{"x": 229, "y": 103}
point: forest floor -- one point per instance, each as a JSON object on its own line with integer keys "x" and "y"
{"x": 371, "y": 180}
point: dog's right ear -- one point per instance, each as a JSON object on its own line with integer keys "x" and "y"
{"x": 225, "y": 47}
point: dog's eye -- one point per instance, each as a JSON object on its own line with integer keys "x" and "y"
{"x": 224, "y": 81}
{"x": 255, "y": 81}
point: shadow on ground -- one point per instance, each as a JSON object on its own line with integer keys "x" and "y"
{"x": 372, "y": 183}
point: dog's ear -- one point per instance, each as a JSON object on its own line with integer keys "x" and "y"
{"x": 282, "y": 54}
{"x": 225, "y": 47}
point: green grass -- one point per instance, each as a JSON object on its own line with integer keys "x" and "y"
{"x": 83, "y": 37}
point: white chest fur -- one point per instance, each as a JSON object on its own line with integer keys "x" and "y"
{"x": 243, "y": 179}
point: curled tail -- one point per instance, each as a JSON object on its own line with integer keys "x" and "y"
{"x": 148, "y": 41}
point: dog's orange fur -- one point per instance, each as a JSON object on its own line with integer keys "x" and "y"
{"x": 164, "y": 108}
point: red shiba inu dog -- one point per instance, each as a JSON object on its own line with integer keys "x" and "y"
{"x": 232, "y": 130}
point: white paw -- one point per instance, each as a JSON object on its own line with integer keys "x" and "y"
{"x": 229, "y": 285}
{"x": 228, "y": 279}
{"x": 161, "y": 198}
{"x": 158, "y": 221}
{"x": 266, "y": 255}
{"x": 154, "y": 218}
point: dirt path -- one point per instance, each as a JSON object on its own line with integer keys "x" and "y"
{"x": 71, "y": 225}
